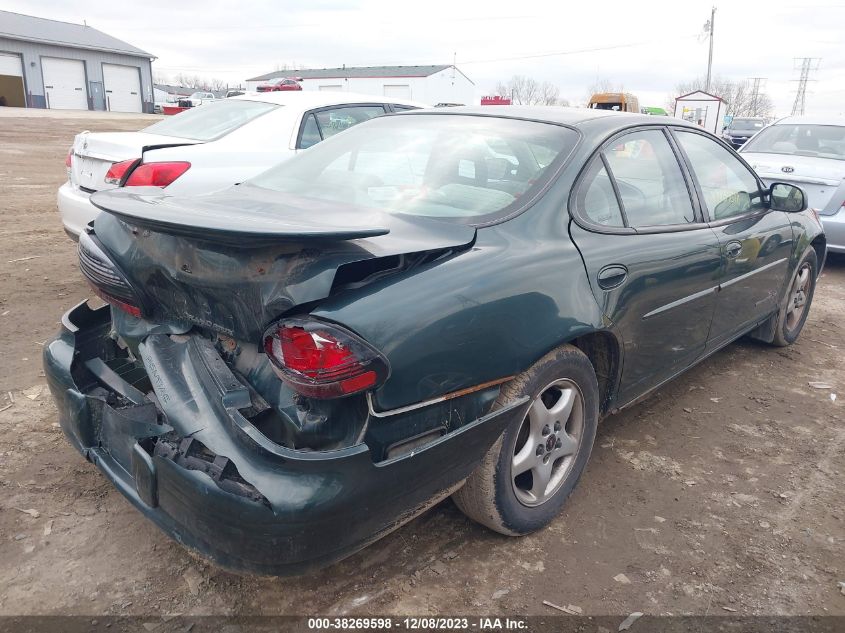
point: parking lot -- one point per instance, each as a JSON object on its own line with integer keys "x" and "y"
{"x": 720, "y": 494}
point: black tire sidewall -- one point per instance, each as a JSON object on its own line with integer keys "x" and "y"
{"x": 790, "y": 336}
{"x": 516, "y": 517}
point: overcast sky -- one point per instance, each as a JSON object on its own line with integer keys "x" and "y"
{"x": 647, "y": 46}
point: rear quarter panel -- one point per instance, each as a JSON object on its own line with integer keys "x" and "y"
{"x": 486, "y": 313}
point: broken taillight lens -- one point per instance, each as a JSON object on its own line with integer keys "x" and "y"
{"x": 323, "y": 360}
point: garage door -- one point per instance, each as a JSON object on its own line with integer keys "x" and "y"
{"x": 64, "y": 83}
{"x": 11, "y": 81}
{"x": 397, "y": 91}
{"x": 123, "y": 88}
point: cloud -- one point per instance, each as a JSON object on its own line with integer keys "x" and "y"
{"x": 647, "y": 48}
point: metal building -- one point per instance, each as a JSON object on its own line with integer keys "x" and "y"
{"x": 50, "y": 64}
{"x": 432, "y": 84}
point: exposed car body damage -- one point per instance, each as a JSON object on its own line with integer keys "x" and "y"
{"x": 175, "y": 392}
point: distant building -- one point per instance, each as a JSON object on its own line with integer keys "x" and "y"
{"x": 50, "y": 64}
{"x": 443, "y": 83}
{"x": 703, "y": 109}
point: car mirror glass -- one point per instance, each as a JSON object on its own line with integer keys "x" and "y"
{"x": 788, "y": 198}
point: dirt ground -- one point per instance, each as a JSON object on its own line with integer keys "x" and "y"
{"x": 723, "y": 493}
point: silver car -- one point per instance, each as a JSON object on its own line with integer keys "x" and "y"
{"x": 809, "y": 152}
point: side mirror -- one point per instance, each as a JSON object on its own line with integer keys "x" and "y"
{"x": 788, "y": 198}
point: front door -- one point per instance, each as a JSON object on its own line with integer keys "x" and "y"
{"x": 652, "y": 262}
{"x": 756, "y": 243}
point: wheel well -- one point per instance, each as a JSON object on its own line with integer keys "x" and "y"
{"x": 820, "y": 246}
{"x": 603, "y": 351}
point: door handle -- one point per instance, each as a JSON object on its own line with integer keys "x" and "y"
{"x": 612, "y": 276}
{"x": 732, "y": 249}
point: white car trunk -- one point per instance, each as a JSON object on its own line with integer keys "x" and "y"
{"x": 822, "y": 179}
{"x": 95, "y": 153}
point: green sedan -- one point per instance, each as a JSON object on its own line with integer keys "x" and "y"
{"x": 428, "y": 304}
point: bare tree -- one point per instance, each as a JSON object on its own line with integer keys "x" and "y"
{"x": 160, "y": 78}
{"x": 738, "y": 96}
{"x": 524, "y": 90}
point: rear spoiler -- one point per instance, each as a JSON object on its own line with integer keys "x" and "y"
{"x": 231, "y": 217}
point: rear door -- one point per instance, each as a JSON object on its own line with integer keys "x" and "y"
{"x": 652, "y": 262}
{"x": 756, "y": 243}
{"x": 123, "y": 88}
{"x": 64, "y": 83}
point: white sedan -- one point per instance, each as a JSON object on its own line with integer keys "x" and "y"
{"x": 209, "y": 148}
{"x": 808, "y": 151}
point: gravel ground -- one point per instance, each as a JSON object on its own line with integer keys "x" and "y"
{"x": 720, "y": 494}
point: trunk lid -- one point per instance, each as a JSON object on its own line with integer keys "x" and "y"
{"x": 236, "y": 260}
{"x": 822, "y": 179}
{"x": 95, "y": 152}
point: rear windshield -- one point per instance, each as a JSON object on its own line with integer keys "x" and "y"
{"x": 210, "y": 121}
{"x": 747, "y": 124}
{"x": 469, "y": 169}
{"x": 822, "y": 141}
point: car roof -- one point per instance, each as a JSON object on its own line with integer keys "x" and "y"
{"x": 562, "y": 115}
{"x": 811, "y": 120}
{"x": 318, "y": 99}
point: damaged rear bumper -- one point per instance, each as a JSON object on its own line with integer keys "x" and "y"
{"x": 198, "y": 469}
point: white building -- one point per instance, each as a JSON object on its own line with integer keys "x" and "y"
{"x": 703, "y": 109}
{"x": 434, "y": 84}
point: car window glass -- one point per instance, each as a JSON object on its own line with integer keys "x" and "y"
{"x": 822, "y": 141}
{"x": 339, "y": 119}
{"x": 310, "y": 132}
{"x": 212, "y": 120}
{"x": 728, "y": 187}
{"x": 596, "y": 198}
{"x": 466, "y": 168}
{"x": 650, "y": 181}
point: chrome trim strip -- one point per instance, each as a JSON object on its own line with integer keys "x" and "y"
{"x": 704, "y": 293}
{"x": 427, "y": 403}
{"x": 679, "y": 302}
{"x": 752, "y": 273}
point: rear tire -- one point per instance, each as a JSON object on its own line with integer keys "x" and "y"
{"x": 796, "y": 303}
{"x": 526, "y": 477}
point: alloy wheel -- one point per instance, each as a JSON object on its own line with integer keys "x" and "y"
{"x": 798, "y": 295}
{"x": 547, "y": 442}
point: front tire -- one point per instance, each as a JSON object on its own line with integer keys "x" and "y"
{"x": 526, "y": 477}
{"x": 796, "y": 304}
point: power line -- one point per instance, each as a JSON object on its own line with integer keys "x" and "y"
{"x": 808, "y": 64}
{"x": 757, "y": 83}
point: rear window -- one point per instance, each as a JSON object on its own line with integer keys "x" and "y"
{"x": 210, "y": 121}
{"x": 821, "y": 141}
{"x": 469, "y": 169}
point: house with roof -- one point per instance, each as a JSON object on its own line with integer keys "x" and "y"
{"x": 60, "y": 65}
{"x": 431, "y": 84}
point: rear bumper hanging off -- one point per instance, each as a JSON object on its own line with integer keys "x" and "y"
{"x": 213, "y": 482}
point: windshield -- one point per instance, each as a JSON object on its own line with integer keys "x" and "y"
{"x": 822, "y": 141}
{"x": 747, "y": 124}
{"x": 212, "y": 120}
{"x": 470, "y": 169}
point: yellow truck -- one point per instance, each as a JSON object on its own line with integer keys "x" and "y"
{"x": 619, "y": 101}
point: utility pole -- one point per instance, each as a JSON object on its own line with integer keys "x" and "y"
{"x": 709, "y": 28}
{"x": 755, "y": 94}
{"x": 808, "y": 64}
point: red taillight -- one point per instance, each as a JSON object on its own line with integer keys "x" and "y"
{"x": 117, "y": 172}
{"x": 69, "y": 158}
{"x": 156, "y": 174}
{"x": 135, "y": 311}
{"x": 322, "y": 360}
